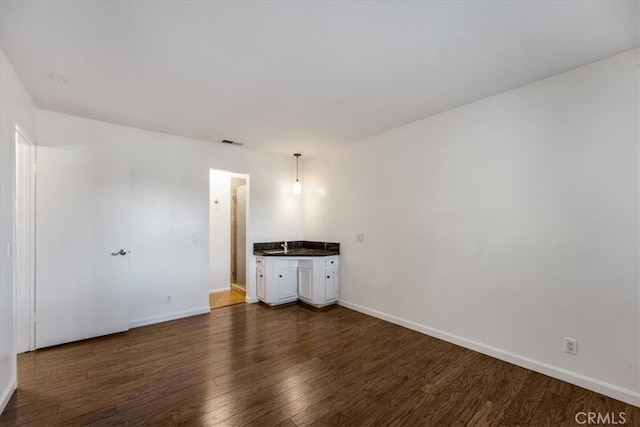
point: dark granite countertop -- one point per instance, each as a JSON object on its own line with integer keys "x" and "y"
{"x": 296, "y": 248}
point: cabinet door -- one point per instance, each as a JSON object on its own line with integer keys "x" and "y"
{"x": 287, "y": 282}
{"x": 331, "y": 284}
{"x": 260, "y": 281}
{"x": 305, "y": 278}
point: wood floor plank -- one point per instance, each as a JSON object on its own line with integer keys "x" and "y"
{"x": 293, "y": 366}
{"x": 525, "y": 402}
{"x": 509, "y": 380}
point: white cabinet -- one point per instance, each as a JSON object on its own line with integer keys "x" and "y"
{"x": 330, "y": 284}
{"x": 260, "y": 277}
{"x": 260, "y": 281}
{"x": 313, "y": 280}
{"x": 305, "y": 279}
{"x": 277, "y": 280}
{"x": 287, "y": 280}
{"x": 327, "y": 290}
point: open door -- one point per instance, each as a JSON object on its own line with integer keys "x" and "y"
{"x": 82, "y": 257}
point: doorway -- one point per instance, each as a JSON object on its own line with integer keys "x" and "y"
{"x": 228, "y": 238}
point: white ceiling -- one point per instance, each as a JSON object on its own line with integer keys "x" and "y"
{"x": 296, "y": 76}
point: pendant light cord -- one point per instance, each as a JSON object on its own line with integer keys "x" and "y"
{"x": 297, "y": 155}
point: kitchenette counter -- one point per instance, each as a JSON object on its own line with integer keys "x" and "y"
{"x": 298, "y": 248}
{"x": 306, "y": 271}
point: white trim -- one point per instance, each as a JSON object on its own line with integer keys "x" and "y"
{"x": 31, "y": 140}
{"x": 250, "y": 289}
{"x": 7, "y": 396}
{"x": 251, "y": 300}
{"x": 628, "y": 396}
{"x": 25, "y": 242}
{"x": 217, "y": 291}
{"x": 167, "y": 317}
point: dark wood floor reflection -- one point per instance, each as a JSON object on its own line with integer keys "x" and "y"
{"x": 250, "y": 364}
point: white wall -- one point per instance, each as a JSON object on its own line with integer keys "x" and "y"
{"x": 220, "y": 230}
{"x": 16, "y": 108}
{"x": 170, "y": 204}
{"x": 504, "y": 225}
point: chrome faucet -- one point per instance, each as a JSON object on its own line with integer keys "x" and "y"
{"x": 285, "y": 245}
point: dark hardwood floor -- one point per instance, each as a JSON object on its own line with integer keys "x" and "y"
{"x": 250, "y": 364}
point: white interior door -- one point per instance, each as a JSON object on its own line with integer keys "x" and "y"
{"x": 82, "y": 202}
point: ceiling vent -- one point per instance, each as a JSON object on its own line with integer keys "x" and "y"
{"x": 230, "y": 142}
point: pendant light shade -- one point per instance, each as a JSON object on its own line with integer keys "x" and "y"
{"x": 297, "y": 187}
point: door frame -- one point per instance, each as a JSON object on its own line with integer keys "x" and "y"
{"x": 25, "y": 170}
{"x": 234, "y": 231}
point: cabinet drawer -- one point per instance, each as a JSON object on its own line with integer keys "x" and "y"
{"x": 331, "y": 261}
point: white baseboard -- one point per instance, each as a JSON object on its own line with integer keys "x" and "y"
{"x": 251, "y": 300}
{"x": 628, "y": 396}
{"x": 6, "y": 395}
{"x": 167, "y": 317}
{"x": 216, "y": 291}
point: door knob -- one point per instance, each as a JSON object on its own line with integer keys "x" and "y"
{"x": 120, "y": 252}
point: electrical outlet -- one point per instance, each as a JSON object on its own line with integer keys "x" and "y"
{"x": 168, "y": 299}
{"x": 359, "y": 238}
{"x": 570, "y": 345}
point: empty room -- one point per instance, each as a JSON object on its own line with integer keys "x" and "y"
{"x": 330, "y": 213}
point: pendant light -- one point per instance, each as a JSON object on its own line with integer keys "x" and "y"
{"x": 297, "y": 187}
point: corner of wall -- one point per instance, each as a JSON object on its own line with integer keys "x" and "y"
{"x": 7, "y": 394}
{"x": 16, "y": 109}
